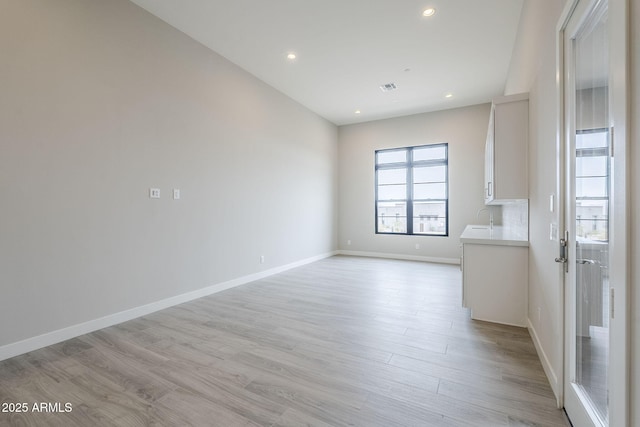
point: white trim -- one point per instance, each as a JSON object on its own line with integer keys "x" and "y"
{"x": 54, "y": 337}
{"x": 515, "y": 325}
{"x": 569, "y": 7}
{"x": 556, "y": 386}
{"x": 401, "y": 256}
{"x": 620, "y": 362}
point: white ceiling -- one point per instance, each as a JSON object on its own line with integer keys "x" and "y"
{"x": 347, "y": 48}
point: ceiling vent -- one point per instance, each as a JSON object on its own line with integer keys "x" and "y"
{"x": 388, "y": 87}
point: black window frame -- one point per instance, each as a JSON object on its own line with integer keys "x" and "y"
{"x": 409, "y": 164}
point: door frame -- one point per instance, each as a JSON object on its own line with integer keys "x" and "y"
{"x": 619, "y": 361}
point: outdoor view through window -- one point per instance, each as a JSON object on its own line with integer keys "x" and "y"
{"x": 412, "y": 190}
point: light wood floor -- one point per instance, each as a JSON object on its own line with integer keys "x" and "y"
{"x": 343, "y": 341}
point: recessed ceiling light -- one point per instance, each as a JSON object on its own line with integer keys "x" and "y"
{"x": 357, "y": 111}
{"x": 429, "y": 12}
{"x": 291, "y": 56}
{"x": 449, "y": 95}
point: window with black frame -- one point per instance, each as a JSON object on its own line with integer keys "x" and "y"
{"x": 412, "y": 190}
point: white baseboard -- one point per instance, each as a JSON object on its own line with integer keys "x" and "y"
{"x": 54, "y": 337}
{"x": 401, "y": 256}
{"x": 556, "y": 385}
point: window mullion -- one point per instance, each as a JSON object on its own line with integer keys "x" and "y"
{"x": 410, "y": 192}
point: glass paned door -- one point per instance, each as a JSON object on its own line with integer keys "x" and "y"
{"x": 588, "y": 189}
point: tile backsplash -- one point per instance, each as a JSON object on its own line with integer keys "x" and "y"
{"x": 515, "y": 217}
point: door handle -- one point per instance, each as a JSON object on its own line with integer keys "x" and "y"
{"x": 586, "y": 261}
{"x": 563, "y": 252}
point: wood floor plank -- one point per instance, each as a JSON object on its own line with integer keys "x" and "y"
{"x": 518, "y": 405}
{"x": 345, "y": 341}
{"x": 401, "y": 413}
{"x": 387, "y": 377}
{"x": 294, "y": 418}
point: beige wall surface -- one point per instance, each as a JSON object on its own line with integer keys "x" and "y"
{"x": 533, "y": 70}
{"x": 99, "y": 101}
{"x": 465, "y": 129}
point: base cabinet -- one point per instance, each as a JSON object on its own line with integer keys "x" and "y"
{"x": 494, "y": 282}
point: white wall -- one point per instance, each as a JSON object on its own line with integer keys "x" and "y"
{"x": 101, "y": 101}
{"x": 533, "y": 70}
{"x": 465, "y": 129}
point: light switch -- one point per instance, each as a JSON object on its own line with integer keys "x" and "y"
{"x": 154, "y": 193}
{"x": 176, "y": 194}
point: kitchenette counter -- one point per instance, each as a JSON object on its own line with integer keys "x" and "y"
{"x": 497, "y": 235}
{"x": 494, "y": 265}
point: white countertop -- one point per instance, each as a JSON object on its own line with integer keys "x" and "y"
{"x": 483, "y": 235}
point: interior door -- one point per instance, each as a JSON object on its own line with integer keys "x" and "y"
{"x": 588, "y": 210}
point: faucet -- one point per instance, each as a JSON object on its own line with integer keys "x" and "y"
{"x": 490, "y": 216}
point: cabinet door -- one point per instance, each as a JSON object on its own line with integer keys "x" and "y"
{"x": 495, "y": 283}
{"x": 488, "y": 161}
{"x": 505, "y": 174}
{"x": 509, "y": 150}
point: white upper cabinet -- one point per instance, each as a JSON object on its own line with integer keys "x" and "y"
{"x": 506, "y": 150}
